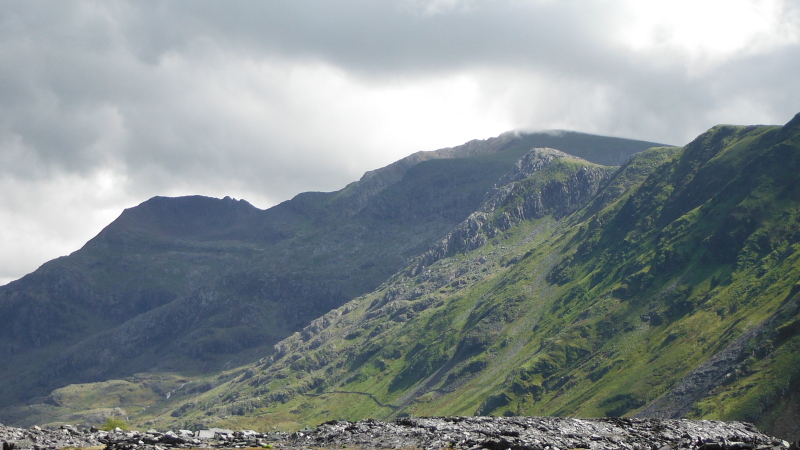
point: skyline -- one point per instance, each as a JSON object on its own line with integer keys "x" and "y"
{"x": 106, "y": 104}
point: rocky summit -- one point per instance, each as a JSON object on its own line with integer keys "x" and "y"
{"x": 492, "y": 433}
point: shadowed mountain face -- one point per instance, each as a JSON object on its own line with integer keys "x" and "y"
{"x": 197, "y": 284}
{"x": 667, "y": 287}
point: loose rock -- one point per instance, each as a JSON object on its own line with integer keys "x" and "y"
{"x": 468, "y": 433}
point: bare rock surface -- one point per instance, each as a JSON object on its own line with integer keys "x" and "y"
{"x": 529, "y": 433}
{"x": 475, "y": 433}
{"x": 38, "y": 438}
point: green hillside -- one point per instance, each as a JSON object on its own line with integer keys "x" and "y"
{"x": 667, "y": 287}
{"x": 191, "y": 287}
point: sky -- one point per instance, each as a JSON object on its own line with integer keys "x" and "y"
{"x": 104, "y": 104}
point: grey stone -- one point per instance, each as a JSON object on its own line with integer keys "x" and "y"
{"x": 205, "y": 434}
{"x": 224, "y": 431}
{"x": 474, "y": 433}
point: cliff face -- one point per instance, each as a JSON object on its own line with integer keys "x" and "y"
{"x": 199, "y": 284}
{"x": 544, "y": 182}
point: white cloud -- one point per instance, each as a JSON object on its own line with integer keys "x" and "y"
{"x": 259, "y": 130}
{"x": 284, "y": 126}
{"x": 434, "y": 7}
{"x": 45, "y": 219}
{"x": 708, "y": 32}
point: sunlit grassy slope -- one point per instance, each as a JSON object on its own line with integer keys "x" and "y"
{"x": 666, "y": 287}
{"x": 197, "y": 285}
{"x": 681, "y": 256}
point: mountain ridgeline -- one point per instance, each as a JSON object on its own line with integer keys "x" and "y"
{"x": 198, "y": 285}
{"x": 667, "y": 287}
{"x": 512, "y": 276}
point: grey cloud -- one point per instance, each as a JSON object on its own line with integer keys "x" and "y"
{"x": 71, "y": 79}
{"x": 78, "y": 63}
{"x": 218, "y": 98}
{"x": 388, "y": 37}
{"x": 557, "y": 40}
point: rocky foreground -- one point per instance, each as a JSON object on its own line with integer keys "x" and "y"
{"x": 475, "y": 433}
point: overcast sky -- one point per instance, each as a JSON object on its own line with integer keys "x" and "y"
{"x": 104, "y": 104}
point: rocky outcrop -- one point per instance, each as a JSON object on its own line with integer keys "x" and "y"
{"x": 492, "y": 433}
{"x": 197, "y": 283}
{"x": 43, "y": 439}
{"x": 528, "y": 433}
{"x": 518, "y": 196}
{"x": 353, "y": 198}
{"x": 598, "y": 150}
{"x": 721, "y": 368}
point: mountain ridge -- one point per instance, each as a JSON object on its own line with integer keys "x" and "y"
{"x": 664, "y": 287}
{"x": 679, "y": 275}
{"x": 200, "y": 285}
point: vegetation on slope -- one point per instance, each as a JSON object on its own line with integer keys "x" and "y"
{"x": 670, "y": 291}
{"x": 198, "y": 285}
{"x": 666, "y": 287}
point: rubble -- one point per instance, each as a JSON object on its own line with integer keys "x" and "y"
{"x": 467, "y": 433}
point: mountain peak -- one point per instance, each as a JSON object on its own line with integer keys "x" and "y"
{"x": 500, "y": 278}
{"x": 794, "y": 123}
{"x": 182, "y": 217}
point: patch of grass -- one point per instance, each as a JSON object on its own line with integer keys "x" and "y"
{"x": 113, "y": 423}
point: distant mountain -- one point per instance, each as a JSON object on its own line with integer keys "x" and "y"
{"x": 198, "y": 285}
{"x": 667, "y": 287}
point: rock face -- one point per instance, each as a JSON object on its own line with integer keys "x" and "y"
{"x": 528, "y": 433}
{"x": 37, "y": 438}
{"x": 544, "y": 182}
{"x": 492, "y": 433}
{"x": 678, "y": 401}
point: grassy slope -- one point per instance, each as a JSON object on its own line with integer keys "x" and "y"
{"x": 197, "y": 285}
{"x": 421, "y": 310}
{"x": 599, "y": 313}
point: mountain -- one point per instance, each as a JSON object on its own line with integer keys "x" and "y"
{"x": 199, "y": 285}
{"x": 667, "y": 287}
